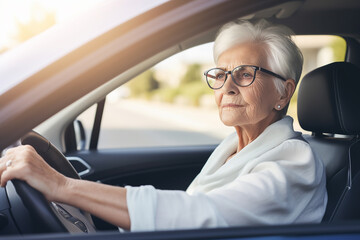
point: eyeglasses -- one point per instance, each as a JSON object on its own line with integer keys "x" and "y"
{"x": 243, "y": 76}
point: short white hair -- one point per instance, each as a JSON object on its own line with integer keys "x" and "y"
{"x": 284, "y": 57}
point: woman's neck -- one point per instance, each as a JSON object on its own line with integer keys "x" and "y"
{"x": 248, "y": 133}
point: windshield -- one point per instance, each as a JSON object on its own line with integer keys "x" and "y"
{"x": 33, "y": 55}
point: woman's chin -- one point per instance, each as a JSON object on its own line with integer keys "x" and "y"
{"x": 231, "y": 118}
{"x": 229, "y": 122}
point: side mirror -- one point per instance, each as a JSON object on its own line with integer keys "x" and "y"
{"x": 79, "y": 135}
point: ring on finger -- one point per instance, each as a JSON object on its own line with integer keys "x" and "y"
{"x": 8, "y": 163}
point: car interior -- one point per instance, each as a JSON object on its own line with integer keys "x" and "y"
{"x": 327, "y": 108}
{"x": 324, "y": 107}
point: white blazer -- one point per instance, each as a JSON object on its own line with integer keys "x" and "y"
{"x": 276, "y": 179}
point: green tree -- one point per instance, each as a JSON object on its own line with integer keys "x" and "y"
{"x": 192, "y": 86}
{"x": 143, "y": 84}
{"x": 339, "y": 48}
{"x": 193, "y": 74}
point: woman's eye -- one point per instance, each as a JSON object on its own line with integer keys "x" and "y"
{"x": 242, "y": 75}
{"x": 247, "y": 75}
{"x": 220, "y": 76}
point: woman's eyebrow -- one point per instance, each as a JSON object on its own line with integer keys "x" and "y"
{"x": 223, "y": 68}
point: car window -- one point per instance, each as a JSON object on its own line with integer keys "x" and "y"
{"x": 112, "y": 17}
{"x": 317, "y": 51}
{"x": 171, "y": 105}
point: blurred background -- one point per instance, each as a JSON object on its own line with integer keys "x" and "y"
{"x": 141, "y": 112}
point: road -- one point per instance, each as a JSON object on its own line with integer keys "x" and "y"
{"x": 138, "y": 123}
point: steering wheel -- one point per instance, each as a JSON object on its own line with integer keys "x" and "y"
{"x": 51, "y": 216}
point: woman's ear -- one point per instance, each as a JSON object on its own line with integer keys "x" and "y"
{"x": 288, "y": 93}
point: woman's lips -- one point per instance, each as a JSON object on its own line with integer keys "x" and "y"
{"x": 231, "y": 105}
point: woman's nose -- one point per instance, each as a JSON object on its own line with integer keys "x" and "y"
{"x": 229, "y": 86}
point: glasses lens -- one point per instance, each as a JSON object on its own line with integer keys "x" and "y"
{"x": 216, "y": 77}
{"x": 243, "y": 76}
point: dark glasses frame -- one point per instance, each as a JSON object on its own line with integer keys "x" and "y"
{"x": 256, "y": 68}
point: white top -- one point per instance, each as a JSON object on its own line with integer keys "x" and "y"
{"x": 276, "y": 179}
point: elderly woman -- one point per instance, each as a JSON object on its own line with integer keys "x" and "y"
{"x": 265, "y": 173}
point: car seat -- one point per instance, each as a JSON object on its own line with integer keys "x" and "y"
{"x": 328, "y": 106}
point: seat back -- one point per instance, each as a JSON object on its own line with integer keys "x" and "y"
{"x": 327, "y": 106}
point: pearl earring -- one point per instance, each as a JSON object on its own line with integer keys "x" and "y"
{"x": 278, "y": 106}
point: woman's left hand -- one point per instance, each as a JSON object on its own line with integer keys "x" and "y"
{"x": 26, "y": 164}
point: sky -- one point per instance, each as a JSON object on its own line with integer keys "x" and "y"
{"x": 19, "y": 10}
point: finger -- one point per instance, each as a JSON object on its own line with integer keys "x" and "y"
{"x": 11, "y": 173}
{"x": 5, "y": 177}
{"x": 19, "y": 149}
{"x": 15, "y": 160}
{"x": 3, "y": 165}
{"x": 26, "y": 152}
{"x": 2, "y": 170}
{"x": 10, "y": 151}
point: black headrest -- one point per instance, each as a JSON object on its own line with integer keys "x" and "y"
{"x": 329, "y": 99}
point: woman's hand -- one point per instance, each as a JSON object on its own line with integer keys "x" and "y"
{"x": 106, "y": 202}
{"x": 26, "y": 164}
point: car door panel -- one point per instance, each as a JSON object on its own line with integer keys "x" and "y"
{"x": 162, "y": 167}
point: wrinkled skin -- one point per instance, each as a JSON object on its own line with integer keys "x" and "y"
{"x": 28, "y": 165}
{"x": 250, "y": 109}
